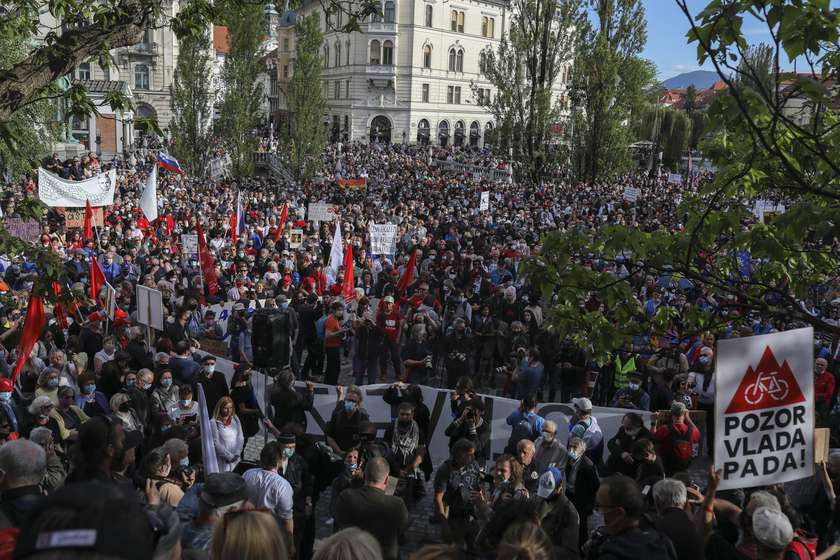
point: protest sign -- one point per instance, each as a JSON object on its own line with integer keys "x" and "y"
{"x": 321, "y": 212}
{"x": 295, "y": 238}
{"x": 189, "y": 243}
{"x": 765, "y": 210}
{"x": 149, "y": 307}
{"x": 764, "y": 408}
{"x": 383, "y": 239}
{"x": 27, "y": 230}
{"x": 359, "y": 183}
{"x": 675, "y": 178}
{"x": 485, "y": 202}
{"x": 631, "y": 194}
{"x": 55, "y": 191}
{"x": 75, "y": 217}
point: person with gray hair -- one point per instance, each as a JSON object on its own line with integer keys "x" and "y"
{"x": 349, "y": 544}
{"x": 55, "y": 472}
{"x": 549, "y": 451}
{"x": 670, "y": 498}
{"x": 369, "y": 508}
{"x": 581, "y": 481}
{"x": 39, "y": 413}
{"x": 22, "y": 467}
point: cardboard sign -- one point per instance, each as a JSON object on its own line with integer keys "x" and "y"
{"x": 321, "y": 212}
{"x": 631, "y": 194}
{"x": 485, "y": 202}
{"x": 149, "y": 307}
{"x": 359, "y": 183}
{"x": 27, "y": 230}
{"x": 764, "y": 408}
{"x": 75, "y": 217}
{"x": 295, "y": 238}
{"x": 189, "y": 243}
{"x": 383, "y": 239}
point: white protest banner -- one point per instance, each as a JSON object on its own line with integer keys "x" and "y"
{"x": 295, "y": 238}
{"x": 764, "y": 209}
{"x": 321, "y": 212}
{"x": 189, "y": 242}
{"x": 383, "y": 239}
{"x": 485, "y": 202}
{"x": 55, "y": 191}
{"x": 631, "y": 194}
{"x": 149, "y": 307}
{"x": 764, "y": 408}
{"x": 27, "y": 230}
{"x": 675, "y": 178}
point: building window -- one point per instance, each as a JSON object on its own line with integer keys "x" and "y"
{"x": 326, "y": 56}
{"x": 346, "y": 90}
{"x": 286, "y": 44}
{"x": 339, "y": 18}
{"x": 84, "y": 71}
{"x": 286, "y": 71}
{"x": 374, "y": 52}
{"x": 427, "y": 56}
{"x": 389, "y": 11}
{"x": 388, "y": 53}
{"x": 452, "y": 58}
{"x": 428, "y": 15}
{"x": 337, "y": 90}
{"x": 450, "y": 94}
{"x": 459, "y": 62}
{"x": 483, "y": 96}
{"x": 337, "y": 54}
{"x": 457, "y": 99}
{"x": 147, "y": 38}
{"x": 141, "y": 76}
{"x": 425, "y": 93}
{"x": 488, "y": 26}
{"x": 460, "y": 22}
{"x": 347, "y": 56}
{"x": 456, "y": 21}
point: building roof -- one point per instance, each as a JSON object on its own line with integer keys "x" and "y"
{"x": 103, "y": 86}
{"x": 221, "y": 39}
{"x": 675, "y": 97}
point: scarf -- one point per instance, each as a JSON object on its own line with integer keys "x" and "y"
{"x": 404, "y": 441}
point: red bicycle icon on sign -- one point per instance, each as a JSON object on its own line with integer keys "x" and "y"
{"x": 767, "y": 384}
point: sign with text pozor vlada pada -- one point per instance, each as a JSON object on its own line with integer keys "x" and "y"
{"x": 764, "y": 408}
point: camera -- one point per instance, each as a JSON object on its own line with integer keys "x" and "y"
{"x": 363, "y": 438}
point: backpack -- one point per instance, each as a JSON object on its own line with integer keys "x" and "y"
{"x": 524, "y": 429}
{"x": 803, "y": 546}
{"x": 681, "y": 446}
{"x": 321, "y": 328}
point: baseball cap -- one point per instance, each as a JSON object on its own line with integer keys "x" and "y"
{"x": 5, "y": 384}
{"x": 772, "y": 528}
{"x": 549, "y": 481}
{"x": 388, "y": 299}
{"x": 223, "y": 489}
{"x": 582, "y": 403}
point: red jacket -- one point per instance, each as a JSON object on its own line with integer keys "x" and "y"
{"x": 824, "y": 387}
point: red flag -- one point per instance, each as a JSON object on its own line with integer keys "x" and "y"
{"x": 208, "y": 266}
{"x": 33, "y": 324}
{"x": 97, "y": 278}
{"x": 88, "y": 221}
{"x": 408, "y": 275}
{"x": 349, "y": 286}
{"x": 58, "y": 309}
{"x": 282, "y": 225}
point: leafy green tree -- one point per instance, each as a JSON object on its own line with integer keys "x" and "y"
{"x": 756, "y": 70}
{"x": 690, "y": 100}
{"x": 763, "y": 150}
{"x": 610, "y": 84}
{"x": 306, "y": 136}
{"x": 191, "y": 104}
{"x": 239, "y": 109}
{"x": 524, "y": 71}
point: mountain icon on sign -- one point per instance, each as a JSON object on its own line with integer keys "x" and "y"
{"x": 769, "y": 385}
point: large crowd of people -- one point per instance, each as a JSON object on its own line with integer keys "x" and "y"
{"x": 106, "y": 452}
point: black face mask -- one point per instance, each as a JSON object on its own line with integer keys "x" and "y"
{"x": 125, "y": 407}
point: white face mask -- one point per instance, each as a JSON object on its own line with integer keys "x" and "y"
{"x": 210, "y": 368}
{"x": 548, "y": 437}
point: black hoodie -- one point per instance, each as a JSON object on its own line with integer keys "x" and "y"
{"x": 634, "y": 544}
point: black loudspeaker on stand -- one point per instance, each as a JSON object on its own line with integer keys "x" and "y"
{"x": 270, "y": 338}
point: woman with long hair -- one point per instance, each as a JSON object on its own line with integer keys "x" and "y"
{"x": 228, "y": 438}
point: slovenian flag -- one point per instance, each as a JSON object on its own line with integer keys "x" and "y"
{"x": 237, "y": 220}
{"x": 169, "y": 163}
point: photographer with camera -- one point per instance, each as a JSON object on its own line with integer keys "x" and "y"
{"x": 458, "y": 345}
{"x": 417, "y": 356}
{"x": 457, "y": 491}
{"x": 367, "y": 340}
{"x": 470, "y": 425}
{"x": 342, "y": 431}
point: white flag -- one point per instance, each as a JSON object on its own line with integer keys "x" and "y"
{"x": 208, "y": 448}
{"x": 336, "y": 253}
{"x": 148, "y": 200}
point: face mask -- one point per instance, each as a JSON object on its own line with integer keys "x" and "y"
{"x": 52, "y": 383}
{"x": 185, "y": 462}
{"x": 125, "y": 407}
{"x": 631, "y": 433}
{"x": 6, "y": 396}
{"x": 288, "y": 452}
{"x": 43, "y": 416}
{"x": 209, "y": 369}
{"x": 166, "y": 383}
{"x": 597, "y": 520}
{"x": 147, "y": 386}
{"x": 89, "y": 389}
{"x": 704, "y": 360}
{"x": 165, "y": 428}
{"x": 130, "y": 383}
{"x": 548, "y": 437}
{"x": 186, "y": 403}
{"x": 284, "y": 305}
{"x": 349, "y": 406}
{"x": 353, "y": 466}
{"x": 633, "y": 386}
{"x": 573, "y": 455}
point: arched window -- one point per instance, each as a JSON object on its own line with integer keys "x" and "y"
{"x": 389, "y": 11}
{"x": 141, "y": 76}
{"x": 84, "y": 71}
{"x": 452, "y": 59}
{"x": 428, "y": 15}
{"x": 427, "y": 56}
{"x": 337, "y": 53}
{"x": 423, "y": 132}
{"x": 387, "y": 53}
{"x": 459, "y": 61}
{"x": 347, "y": 56}
{"x": 374, "y": 52}
{"x": 326, "y": 56}
{"x": 475, "y": 133}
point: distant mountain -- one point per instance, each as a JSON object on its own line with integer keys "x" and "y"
{"x": 700, "y": 79}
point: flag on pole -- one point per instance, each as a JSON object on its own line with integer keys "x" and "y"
{"x": 237, "y": 220}
{"x": 278, "y": 233}
{"x": 97, "y": 278}
{"x": 349, "y": 286}
{"x": 336, "y": 253}
{"x": 169, "y": 163}
{"x": 58, "y": 309}
{"x": 208, "y": 266}
{"x": 88, "y": 221}
{"x": 208, "y": 449}
{"x": 148, "y": 200}
{"x": 33, "y": 324}
{"x": 408, "y": 274}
